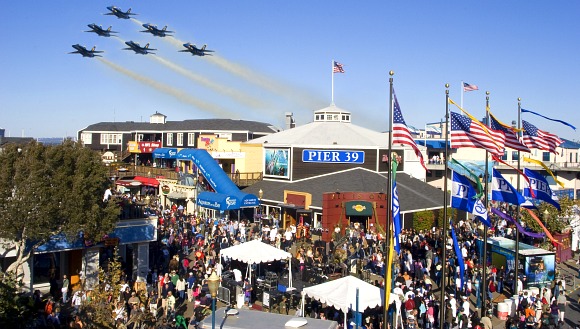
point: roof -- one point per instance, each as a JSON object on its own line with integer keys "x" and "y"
{"x": 414, "y": 195}
{"x": 15, "y": 140}
{"x": 328, "y": 133}
{"x": 187, "y": 125}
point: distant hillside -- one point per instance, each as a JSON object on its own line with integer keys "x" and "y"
{"x": 53, "y": 140}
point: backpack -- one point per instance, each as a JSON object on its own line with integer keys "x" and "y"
{"x": 48, "y": 308}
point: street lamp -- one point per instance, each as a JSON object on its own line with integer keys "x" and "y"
{"x": 260, "y": 195}
{"x": 213, "y": 283}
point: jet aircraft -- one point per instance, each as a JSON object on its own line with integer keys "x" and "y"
{"x": 100, "y": 31}
{"x": 85, "y": 52}
{"x": 196, "y": 51}
{"x": 138, "y": 49}
{"x": 155, "y": 31}
{"x": 119, "y": 12}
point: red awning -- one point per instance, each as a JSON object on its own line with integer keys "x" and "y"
{"x": 147, "y": 181}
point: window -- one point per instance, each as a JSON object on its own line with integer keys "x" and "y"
{"x": 111, "y": 139}
{"x": 546, "y": 156}
{"x": 169, "y": 139}
{"x": 45, "y": 267}
{"x": 515, "y": 155}
{"x": 191, "y": 139}
{"x": 504, "y": 156}
{"x": 87, "y": 138}
{"x": 179, "y": 139}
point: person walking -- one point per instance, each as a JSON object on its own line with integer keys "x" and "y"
{"x": 64, "y": 288}
{"x": 562, "y": 302}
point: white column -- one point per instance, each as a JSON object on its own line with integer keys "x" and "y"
{"x": 142, "y": 261}
{"x": 90, "y": 268}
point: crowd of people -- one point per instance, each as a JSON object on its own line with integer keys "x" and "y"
{"x": 188, "y": 246}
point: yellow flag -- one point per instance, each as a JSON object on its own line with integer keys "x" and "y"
{"x": 540, "y": 163}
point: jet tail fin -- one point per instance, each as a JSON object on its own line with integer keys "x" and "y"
{"x": 94, "y": 47}
{"x": 165, "y": 28}
{"x": 147, "y": 46}
{"x": 203, "y": 48}
{"x": 128, "y": 10}
{"x": 109, "y": 29}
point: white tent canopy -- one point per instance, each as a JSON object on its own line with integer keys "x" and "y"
{"x": 341, "y": 294}
{"x": 255, "y": 252}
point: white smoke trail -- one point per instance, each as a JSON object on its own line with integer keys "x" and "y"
{"x": 230, "y": 92}
{"x": 178, "y": 94}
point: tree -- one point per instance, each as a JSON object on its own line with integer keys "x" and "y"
{"x": 51, "y": 190}
{"x": 556, "y": 221}
{"x": 16, "y": 310}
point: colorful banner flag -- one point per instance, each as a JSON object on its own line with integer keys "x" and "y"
{"x": 471, "y": 174}
{"x": 463, "y": 198}
{"x": 401, "y": 134}
{"x": 520, "y": 228}
{"x": 560, "y": 121}
{"x": 337, "y": 68}
{"x": 396, "y": 218}
{"x": 540, "y": 188}
{"x": 459, "y": 256}
{"x": 468, "y": 87}
{"x": 539, "y": 139}
{"x": 540, "y": 163}
{"x": 548, "y": 234}
{"x": 467, "y": 133}
{"x": 511, "y": 138}
{"x": 502, "y": 190}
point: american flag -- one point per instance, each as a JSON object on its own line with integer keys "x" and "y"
{"x": 468, "y": 87}
{"x": 466, "y": 133}
{"x": 401, "y": 134}
{"x": 539, "y": 139}
{"x": 511, "y": 138}
{"x": 337, "y": 68}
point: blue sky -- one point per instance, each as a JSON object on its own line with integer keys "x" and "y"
{"x": 282, "y": 53}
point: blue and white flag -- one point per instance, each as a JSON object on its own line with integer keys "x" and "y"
{"x": 459, "y": 255}
{"x": 463, "y": 198}
{"x": 396, "y": 217}
{"x": 502, "y": 190}
{"x": 541, "y": 188}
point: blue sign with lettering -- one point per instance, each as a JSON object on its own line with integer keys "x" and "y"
{"x": 333, "y": 156}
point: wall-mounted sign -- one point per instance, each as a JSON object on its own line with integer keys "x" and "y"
{"x": 276, "y": 163}
{"x": 333, "y": 156}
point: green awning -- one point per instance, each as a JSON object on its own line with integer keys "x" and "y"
{"x": 359, "y": 208}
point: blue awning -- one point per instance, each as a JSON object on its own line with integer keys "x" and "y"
{"x": 165, "y": 153}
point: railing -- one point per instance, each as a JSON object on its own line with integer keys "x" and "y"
{"x": 242, "y": 179}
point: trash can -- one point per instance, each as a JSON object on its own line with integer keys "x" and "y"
{"x": 240, "y": 300}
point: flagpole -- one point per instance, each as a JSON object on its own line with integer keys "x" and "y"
{"x": 486, "y": 187}
{"x": 445, "y": 225}
{"x": 462, "y": 92}
{"x": 332, "y": 91}
{"x": 517, "y": 251}
{"x": 389, "y": 202}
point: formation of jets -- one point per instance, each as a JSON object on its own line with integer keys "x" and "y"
{"x": 85, "y": 52}
{"x": 134, "y": 46}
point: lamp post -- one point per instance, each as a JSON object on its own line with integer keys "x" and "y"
{"x": 213, "y": 283}
{"x": 260, "y": 195}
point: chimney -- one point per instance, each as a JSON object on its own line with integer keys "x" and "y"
{"x": 290, "y": 123}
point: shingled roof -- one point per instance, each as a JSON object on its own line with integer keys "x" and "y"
{"x": 187, "y": 125}
{"x": 414, "y": 195}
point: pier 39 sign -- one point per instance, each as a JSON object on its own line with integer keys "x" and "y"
{"x": 333, "y": 156}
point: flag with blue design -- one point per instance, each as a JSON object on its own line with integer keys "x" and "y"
{"x": 458, "y": 254}
{"x": 502, "y": 190}
{"x": 396, "y": 217}
{"x": 463, "y": 198}
{"x": 541, "y": 188}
